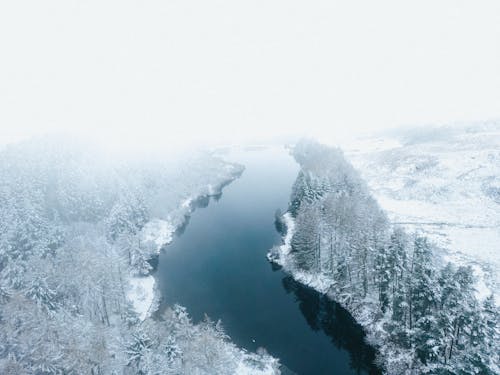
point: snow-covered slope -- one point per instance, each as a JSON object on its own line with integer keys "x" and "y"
{"x": 422, "y": 315}
{"x": 444, "y": 182}
{"x": 78, "y": 230}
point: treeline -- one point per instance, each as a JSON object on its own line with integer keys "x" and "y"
{"x": 423, "y": 317}
{"x": 70, "y": 240}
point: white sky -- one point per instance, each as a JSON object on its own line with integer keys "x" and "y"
{"x": 158, "y": 71}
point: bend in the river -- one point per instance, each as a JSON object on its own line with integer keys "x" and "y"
{"x": 218, "y": 267}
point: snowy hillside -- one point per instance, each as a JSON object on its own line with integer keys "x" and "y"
{"x": 420, "y": 314}
{"x": 444, "y": 182}
{"x": 78, "y": 231}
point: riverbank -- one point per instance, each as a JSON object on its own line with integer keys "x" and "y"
{"x": 158, "y": 233}
{"x": 363, "y": 313}
{"x": 218, "y": 267}
{"x": 76, "y": 226}
{"x": 421, "y": 315}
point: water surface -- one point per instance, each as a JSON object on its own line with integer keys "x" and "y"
{"x": 218, "y": 266}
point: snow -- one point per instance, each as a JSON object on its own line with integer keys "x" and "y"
{"x": 252, "y": 364}
{"x": 290, "y": 225}
{"x": 445, "y": 187}
{"x": 158, "y": 232}
{"x": 186, "y": 203}
{"x": 369, "y": 144}
{"x": 90, "y": 211}
{"x": 247, "y": 369}
{"x": 278, "y": 254}
{"x": 141, "y": 294}
{"x": 482, "y": 290}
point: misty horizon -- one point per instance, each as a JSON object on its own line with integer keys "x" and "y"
{"x": 266, "y": 187}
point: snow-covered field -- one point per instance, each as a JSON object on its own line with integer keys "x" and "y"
{"x": 444, "y": 182}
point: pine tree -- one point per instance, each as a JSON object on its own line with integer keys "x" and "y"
{"x": 39, "y": 291}
{"x": 306, "y": 240}
{"x": 136, "y": 349}
{"x": 382, "y": 276}
{"x": 398, "y": 265}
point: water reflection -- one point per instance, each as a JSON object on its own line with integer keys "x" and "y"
{"x": 201, "y": 202}
{"x": 218, "y": 267}
{"x": 321, "y": 313}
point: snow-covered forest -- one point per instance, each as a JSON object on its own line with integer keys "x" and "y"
{"x": 442, "y": 181}
{"x": 79, "y": 231}
{"x": 420, "y": 312}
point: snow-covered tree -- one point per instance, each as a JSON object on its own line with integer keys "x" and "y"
{"x": 70, "y": 230}
{"x": 429, "y": 318}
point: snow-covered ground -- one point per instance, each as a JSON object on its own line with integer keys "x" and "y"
{"x": 155, "y": 235}
{"x": 251, "y": 364}
{"x": 158, "y": 233}
{"x": 444, "y": 182}
{"x": 87, "y": 226}
{"x": 279, "y": 253}
{"x": 141, "y": 294}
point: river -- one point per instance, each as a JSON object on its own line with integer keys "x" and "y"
{"x": 217, "y": 266}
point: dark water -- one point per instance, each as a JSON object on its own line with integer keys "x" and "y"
{"x": 218, "y": 267}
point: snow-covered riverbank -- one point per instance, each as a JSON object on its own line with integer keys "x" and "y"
{"x": 158, "y": 233}
{"x": 79, "y": 231}
{"x": 423, "y": 315}
{"x": 365, "y": 312}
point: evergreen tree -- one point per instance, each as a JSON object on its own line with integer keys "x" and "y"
{"x": 306, "y": 243}
{"x": 383, "y": 273}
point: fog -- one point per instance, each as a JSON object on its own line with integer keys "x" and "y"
{"x": 178, "y": 72}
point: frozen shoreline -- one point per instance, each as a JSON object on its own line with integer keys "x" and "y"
{"x": 397, "y": 286}
{"x": 145, "y": 295}
{"x": 157, "y": 233}
{"x": 92, "y": 229}
{"x": 363, "y": 314}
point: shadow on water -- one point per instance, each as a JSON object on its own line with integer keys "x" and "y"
{"x": 323, "y": 314}
{"x": 201, "y": 202}
{"x": 217, "y": 266}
